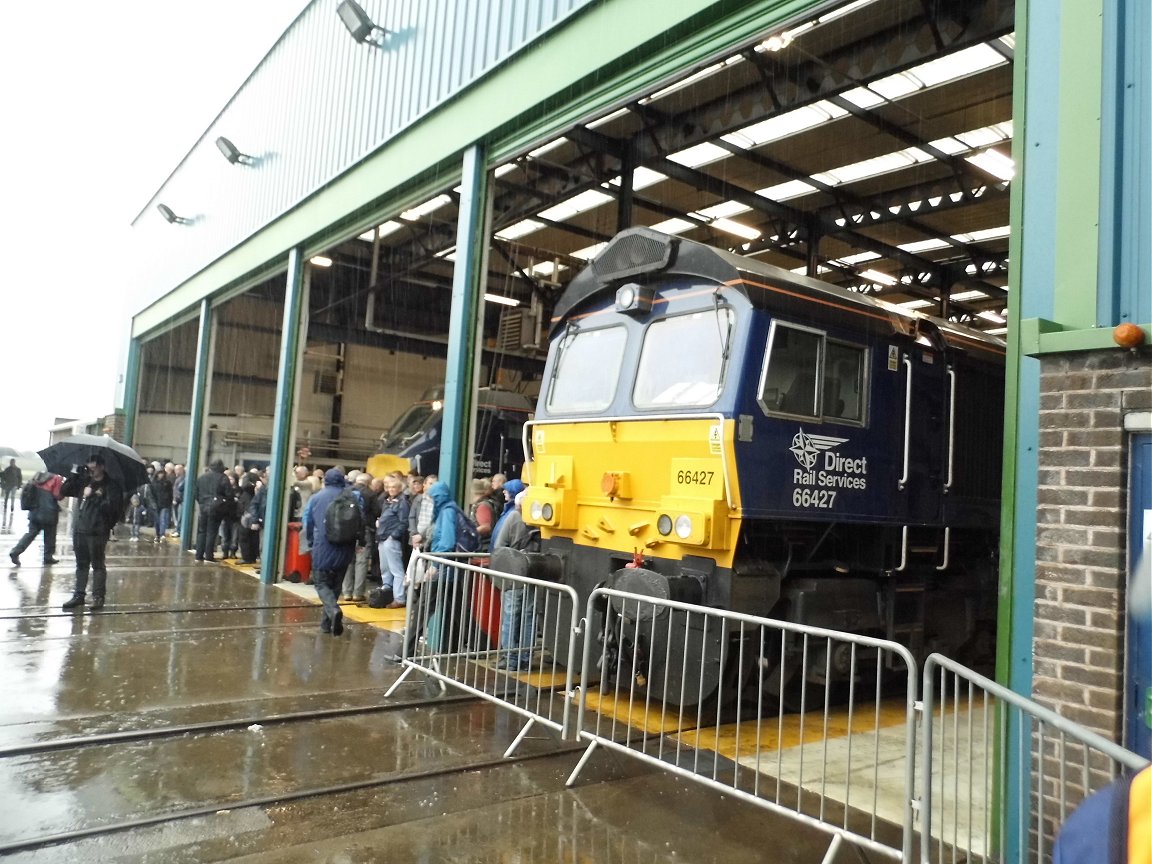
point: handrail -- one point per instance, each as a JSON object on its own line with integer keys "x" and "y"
{"x": 951, "y": 425}
{"x": 907, "y": 423}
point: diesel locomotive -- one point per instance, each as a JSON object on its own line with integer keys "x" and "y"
{"x": 719, "y": 431}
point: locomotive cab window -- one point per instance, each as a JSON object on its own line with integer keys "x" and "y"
{"x": 683, "y": 360}
{"x": 586, "y": 370}
{"x": 808, "y": 375}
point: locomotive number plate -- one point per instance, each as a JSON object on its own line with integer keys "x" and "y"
{"x": 696, "y": 475}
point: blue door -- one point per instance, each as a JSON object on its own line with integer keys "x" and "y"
{"x": 1138, "y": 735}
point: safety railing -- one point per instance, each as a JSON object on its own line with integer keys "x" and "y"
{"x": 509, "y": 639}
{"x": 983, "y": 745}
{"x": 796, "y": 716}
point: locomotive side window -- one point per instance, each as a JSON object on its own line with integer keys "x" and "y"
{"x": 682, "y": 360}
{"x": 586, "y": 370}
{"x": 808, "y": 375}
{"x": 788, "y": 385}
{"x": 843, "y": 397}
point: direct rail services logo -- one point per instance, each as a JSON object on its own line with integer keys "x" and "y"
{"x": 816, "y": 484}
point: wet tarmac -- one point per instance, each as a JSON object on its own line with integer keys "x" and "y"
{"x": 202, "y": 716}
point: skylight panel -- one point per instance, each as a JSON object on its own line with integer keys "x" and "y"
{"x": 545, "y": 148}
{"x": 858, "y": 258}
{"x": 862, "y": 97}
{"x": 872, "y": 167}
{"x": 916, "y": 304}
{"x": 924, "y": 245}
{"x": 788, "y": 123}
{"x": 962, "y": 296}
{"x": 995, "y": 163}
{"x": 959, "y": 64}
{"x": 547, "y": 268}
{"x": 642, "y": 178}
{"x": 949, "y": 145}
{"x": 519, "y": 229}
{"x": 384, "y": 230}
{"x": 878, "y": 277}
{"x": 785, "y": 191}
{"x": 589, "y": 252}
{"x": 985, "y": 234}
{"x": 577, "y": 204}
{"x": 692, "y": 79}
{"x": 989, "y": 315}
{"x": 700, "y": 154}
{"x": 607, "y": 118}
{"x": 424, "y": 209}
{"x": 896, "y": 86}
{"x": 982, "y": 137}
{"x": 737, "y": 229}
{"x": 674, "y": 226}
{"x": 726, "y": 208}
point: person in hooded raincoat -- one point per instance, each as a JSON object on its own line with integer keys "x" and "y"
{"x": 329, "y": 560}
{"x": 43, "y": 517}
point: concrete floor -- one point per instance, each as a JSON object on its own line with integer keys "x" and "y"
{"x": 184, "y": 643}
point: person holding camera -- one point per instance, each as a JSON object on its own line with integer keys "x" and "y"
{"x": 101, "y": 505}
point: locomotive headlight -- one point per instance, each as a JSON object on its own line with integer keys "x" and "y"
{"x": 546, "y": 512}
{"x": 664, "y": 524}
{"x": 536, "y": 511}
{"x": 683, "y": 527}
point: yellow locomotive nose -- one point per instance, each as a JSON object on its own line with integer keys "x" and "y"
{"x": 676, "y": 498}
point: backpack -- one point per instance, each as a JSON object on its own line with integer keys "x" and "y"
{"x": 28, "y": 497}
{"x": 343, "y": 521}
{"x": 467, "y": 537}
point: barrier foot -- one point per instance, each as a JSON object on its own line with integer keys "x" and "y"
{"x": 407, "y": 671}
{"x": 580, "y": 765}
{"x": 523, "y": 732}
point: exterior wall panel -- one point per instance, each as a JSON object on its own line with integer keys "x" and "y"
{"x": 317, "y": 105}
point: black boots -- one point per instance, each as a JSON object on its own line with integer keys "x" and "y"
{"x": 97, "y": 602}
{"x": 76, "y": 602}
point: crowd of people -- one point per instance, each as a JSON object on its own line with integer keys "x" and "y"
{"x": 399, "y": 514}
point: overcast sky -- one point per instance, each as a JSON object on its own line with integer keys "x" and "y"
{"x": 100, "y": 102}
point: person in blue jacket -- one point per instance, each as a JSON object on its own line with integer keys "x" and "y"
{"x": 329, "y": 560}
{"x": 1111, "y": 826}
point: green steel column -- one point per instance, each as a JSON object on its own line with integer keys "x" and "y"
{"x": 200, "y": 386}
{"x": 295, "y": 307}
{"x": 471, "y": 248}
{"x": 131, "y": 386}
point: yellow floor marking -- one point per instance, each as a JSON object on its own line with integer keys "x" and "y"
{"x": 637, "y": 714}
{"x": 732, "y": 739}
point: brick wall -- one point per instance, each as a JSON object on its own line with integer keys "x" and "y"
{"x": 1081, "y": 538}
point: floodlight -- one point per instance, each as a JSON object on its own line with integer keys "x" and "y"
{"x": 362, "y": 28}
{"x": 232, "y": 152}
{"x": 170, "y": 217}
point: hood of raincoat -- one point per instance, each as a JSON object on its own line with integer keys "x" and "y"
{"x": 513, "y": 488}
{"x": 440, "y": 493}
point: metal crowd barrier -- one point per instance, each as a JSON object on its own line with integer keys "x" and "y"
{"x": 803, "y": 732}
{"x": 981, "y": 738}
{"x": 454, "y": 617}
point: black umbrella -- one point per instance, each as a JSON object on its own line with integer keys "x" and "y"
{"x": 122, "y": 463}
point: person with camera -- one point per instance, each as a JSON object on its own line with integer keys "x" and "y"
{"x": 101, "y": 505}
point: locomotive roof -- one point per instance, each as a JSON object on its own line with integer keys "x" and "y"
{"x": 643, "y": 255}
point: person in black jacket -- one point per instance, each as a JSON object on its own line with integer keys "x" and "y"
{"x": 214, "y": 494}
{"x": 101, "y": 505}
{"x": 162, "y": 495}
{"x": 43, "y": 517}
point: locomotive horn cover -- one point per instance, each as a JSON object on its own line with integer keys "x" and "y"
{"x": 649, "y": 583}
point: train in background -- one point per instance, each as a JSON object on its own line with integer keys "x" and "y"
{"x": 412, "y": 443}
{"x": 719, "y": 431}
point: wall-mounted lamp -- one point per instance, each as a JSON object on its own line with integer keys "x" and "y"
{"x": 362, "y": 28}
{"x": 170, "y": 217}
{"x": 320, "y": 261}
{"x": 232, "y": 152}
